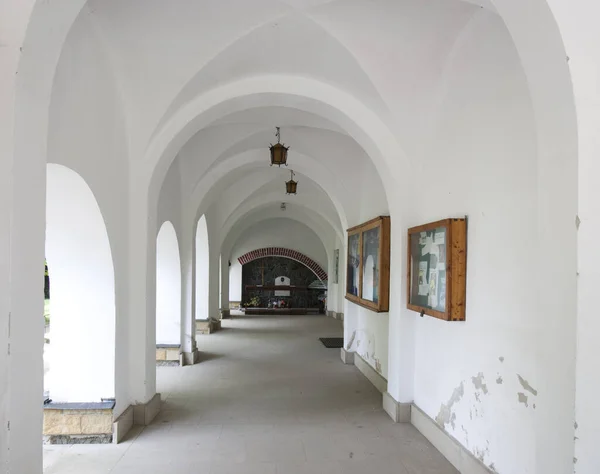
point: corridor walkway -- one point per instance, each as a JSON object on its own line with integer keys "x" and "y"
{"x": 267, "y": 398}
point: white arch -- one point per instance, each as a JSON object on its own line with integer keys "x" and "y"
{"x": 251, "y": 160}
{"x": 168, "y": 286}
{"x": 81, "y": 354}
{"x": 202, "y": 269}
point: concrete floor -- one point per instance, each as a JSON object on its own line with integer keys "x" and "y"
{"x": 267, "y": 398}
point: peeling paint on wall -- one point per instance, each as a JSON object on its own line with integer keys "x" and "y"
{"x": 525, "y": 384}
{"x": 446, "y": 416}
{"x": 522, "y": 398}
{"x": 481, "y": 453}
{"x": 501, "y": 359}
{"x": 351, "y": 341}
{"x": 378, "y": 365}
{"x": 499, "y": 380}
{"x": 466, "y": 435}
{"x": 479, "y": 383}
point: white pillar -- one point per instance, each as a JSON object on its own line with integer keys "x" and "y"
{"x": 188, "y": 295}
{"x": 213, "y": 283}
{"x": 401, "y": 342}
{"x": 142, "y": 298}
{"x": 224, "y": 282}
{"x": 22, "y": 189}
{"x": 582, "y": 43}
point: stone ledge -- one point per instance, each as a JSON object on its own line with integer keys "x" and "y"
{"x": 107, "y": 405}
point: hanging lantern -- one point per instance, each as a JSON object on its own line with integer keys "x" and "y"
{"x": 278, "y": 151}
{"x": 291, "y": 186}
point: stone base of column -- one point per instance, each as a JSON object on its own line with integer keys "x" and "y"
{"x": 225, "y": 314}
{"x": 144, "y": 413}
{"x": 140, "y": 414}
{"x": 347, "y": 356}
{"x": 190, "y": 358}
{"x": 399, "y": 412}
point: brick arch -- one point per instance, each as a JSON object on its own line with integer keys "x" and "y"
{"x": 286, "y": 253}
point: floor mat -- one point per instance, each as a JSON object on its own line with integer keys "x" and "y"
{"x": 332, "y": 342}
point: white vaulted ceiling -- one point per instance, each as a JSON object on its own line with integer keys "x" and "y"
{"x": 163, "y": 58}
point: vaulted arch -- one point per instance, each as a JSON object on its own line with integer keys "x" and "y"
{"x": 286, "y": 253}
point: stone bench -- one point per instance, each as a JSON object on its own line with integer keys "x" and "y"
{"x": 168, "y": 354}
{"x": 78, "y": 423}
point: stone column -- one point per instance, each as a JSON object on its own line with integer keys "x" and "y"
{"x": 142, "y": 299}
{"x": 189, "y": 350}
{"x": 225, "y": 312}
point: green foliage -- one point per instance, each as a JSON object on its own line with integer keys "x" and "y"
{"x": 254, "y": 302}
{"x": 47, "y": 311}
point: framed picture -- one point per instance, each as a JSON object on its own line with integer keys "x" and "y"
{"x": 368, "y": 274}
{"x": 437, "y": 265}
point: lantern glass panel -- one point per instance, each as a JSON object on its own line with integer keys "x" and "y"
{"x": 291, "y": 187}
{"x": 278, "y": 154}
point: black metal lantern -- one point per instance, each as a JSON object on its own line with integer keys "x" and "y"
{"x": 291, "y": 186}
{"x": 278, "y": 151}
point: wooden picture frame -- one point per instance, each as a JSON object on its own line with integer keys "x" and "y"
{"x": 437, "y": 269}
{"x": 368, "y": 265}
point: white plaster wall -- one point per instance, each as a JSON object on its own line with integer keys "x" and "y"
{"x": 483, "y": 164}
{"x": 81, "y": 353}
{"x": 168, "y": 286}
{"x": 285, "y": 233}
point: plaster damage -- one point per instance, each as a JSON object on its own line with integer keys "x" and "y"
{"x": 525, "y": 384}
{"x": 479, "y": 383}
{"x": 351, "y": 341}
{"x": 446, "y": 416}
{"x": 522, "y": 398}
{"x": 499, "y": 380}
